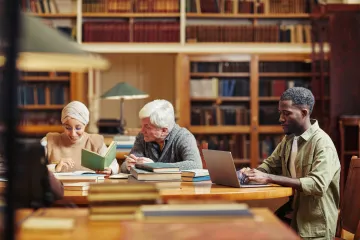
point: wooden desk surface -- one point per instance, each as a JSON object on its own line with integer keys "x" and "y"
{"x": 194, "y": 191}
{"x": 263, "y": 226}
{"x": 199, "y": 191}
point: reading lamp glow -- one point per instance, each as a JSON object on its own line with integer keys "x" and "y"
{"x": 123, "y": 91}
{"x": 43, "y": 48}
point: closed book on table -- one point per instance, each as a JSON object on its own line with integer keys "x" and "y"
{"x": 195, "y": 173}
{"x": 195, "y": 179}
{"x": 140, "y": 174}
{"x": 195, "y": 210}
{"x": 78, "y": 186}
{"x": 157, "y": 167}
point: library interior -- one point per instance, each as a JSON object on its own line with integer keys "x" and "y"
{"x": 212, "y": 119}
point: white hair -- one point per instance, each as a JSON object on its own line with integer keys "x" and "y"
{"x": 160, "y": 112}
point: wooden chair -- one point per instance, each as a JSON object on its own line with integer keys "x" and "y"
{"x": 201, "y": 146}
{"x": 349, "y": 216}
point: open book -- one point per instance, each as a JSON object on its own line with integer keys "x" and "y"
{"x": 95, "y": 161}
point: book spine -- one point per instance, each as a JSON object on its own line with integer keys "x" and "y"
{"x": 144, "y": 167}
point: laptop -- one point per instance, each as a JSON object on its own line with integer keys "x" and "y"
{"x": 220, "y": 165}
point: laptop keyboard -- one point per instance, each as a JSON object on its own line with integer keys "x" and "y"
{"x": 242, "y": 179}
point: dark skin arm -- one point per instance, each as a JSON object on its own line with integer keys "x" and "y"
{"x": 265, "y": 178}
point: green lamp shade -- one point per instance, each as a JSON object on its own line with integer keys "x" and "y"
{"x": 125, "y": 91}
{"x": 42, "y": 48}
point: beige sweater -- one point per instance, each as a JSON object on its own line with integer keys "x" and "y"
{"x": 59, "y": 146}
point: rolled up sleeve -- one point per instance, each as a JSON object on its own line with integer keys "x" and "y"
{"x": 322, "y": 172}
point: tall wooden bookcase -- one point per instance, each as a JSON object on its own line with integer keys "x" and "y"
{"x": 231, "y": 100}
{"x": 41, "y": 97}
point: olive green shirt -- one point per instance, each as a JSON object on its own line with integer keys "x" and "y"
{"x": 318, "y": 169}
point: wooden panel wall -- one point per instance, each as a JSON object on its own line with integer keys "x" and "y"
{"x": 151, "y": 73}
{"x": 344, "y": 67}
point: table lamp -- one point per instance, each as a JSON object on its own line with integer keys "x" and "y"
{"x": 42, "y": 48}
{"x": 123, "y": 91}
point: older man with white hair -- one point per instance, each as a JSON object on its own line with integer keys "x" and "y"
{"x": 162, "y": 140}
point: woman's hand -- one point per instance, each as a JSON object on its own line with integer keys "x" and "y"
{"x": 66, "y": 163}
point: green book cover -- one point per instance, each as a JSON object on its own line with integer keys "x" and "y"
{"x": 95, "y": 161}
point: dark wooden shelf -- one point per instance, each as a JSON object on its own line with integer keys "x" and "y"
{"x": 42, "y": 78}
{"x": 269, "y": 99}
{"x": 131, "y": 15}
{"x": 54, "y": 15}
{"x": 220, "y": 99}
{"x": 39, "y": 129}
{"x": 270, "y": 129}
{"x": 222, "y": 74}
{"x": 219, "y": 129}
{"x": 41, "y": 107}
{"x": 249, "y": 15}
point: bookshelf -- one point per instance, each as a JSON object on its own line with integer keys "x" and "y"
{"x": 42, "y": 96}
{"x": 230, "y": 100}
{"x": 175, "y": 26}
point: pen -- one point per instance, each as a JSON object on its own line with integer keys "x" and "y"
{"x": 126, "y": 156}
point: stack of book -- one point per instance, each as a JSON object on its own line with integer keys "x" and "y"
{"x": 181, "y": 212}
{"x": 76, "y": 186}
{"x": 195, "y": 175}
{"x": 156, "y": 172}
{"x": 109, "y": 201}
{"x": 80, "y": 176}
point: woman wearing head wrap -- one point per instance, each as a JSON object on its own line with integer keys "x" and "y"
{"x": 64, "y": 149}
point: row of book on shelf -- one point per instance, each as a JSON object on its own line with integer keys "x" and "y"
{"x": 219, "y": 115}
{"x": 239, "y": 144}
{"x": 171, "y": 6}
{"x": 215, "y": 87}
{"x": 250, "y": 6}
{"x": 50, "y": 6}
{"x": 229, "y": 87}
{"x": 40, "y": 118}
{"x": 43, "y": 94}
{"x": 127, "y": 6}
{"x": 298, "y": 33}
{"x": 269, "y": 87}
{"x": 169, "y": 31}
{"x": 220, "y": 67}
{"x": 138, "y": 31}
{"x": 232, "y": 115}
{"x": 264, "y": 67}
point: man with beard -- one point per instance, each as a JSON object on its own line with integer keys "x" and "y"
{"x": 306, "y": 160}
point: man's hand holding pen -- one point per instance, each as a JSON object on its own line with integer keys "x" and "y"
{"x": 131, "y": 160}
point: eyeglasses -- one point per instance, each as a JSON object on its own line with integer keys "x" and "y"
{"x": 69, "y": 128}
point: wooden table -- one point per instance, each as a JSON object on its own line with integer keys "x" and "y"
{"x": 264, "y": 225}
{"x": 188, "y": 191}
{"x": 199, "y": 191}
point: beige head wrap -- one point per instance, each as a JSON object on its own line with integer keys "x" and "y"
{"x": 76, "y": 110}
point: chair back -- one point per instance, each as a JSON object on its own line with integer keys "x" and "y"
{"x": 350, "y": 209}
{"x": 201, "y": 146}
